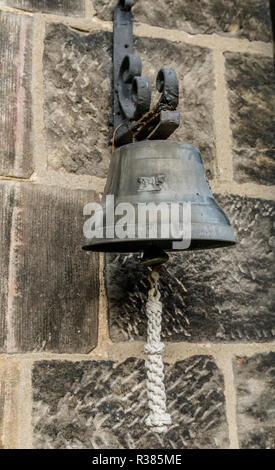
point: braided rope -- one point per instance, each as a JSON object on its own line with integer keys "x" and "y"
{"x": 158, "y": 419}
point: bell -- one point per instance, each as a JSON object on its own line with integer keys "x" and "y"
{"x": 157, "y": 171}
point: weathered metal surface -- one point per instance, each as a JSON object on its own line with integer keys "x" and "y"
{"x": 123, "y": 43}
{"x": 138, "y": 97}
{"x": 154, "y": 125}
{"x": 156, "y": 172}
{"x": 168, "y": 86}
{"x": 169, "y": 121}
{"x": 132, "y": 92}
{"x": 138, "y": 130}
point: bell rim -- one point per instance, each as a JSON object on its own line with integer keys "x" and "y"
{"x": 225, "y": 238}
{"x": 117, "y": 246}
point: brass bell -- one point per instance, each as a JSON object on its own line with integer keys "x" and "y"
{"x": 148, "y": 171}
{"x": 160, "y": 171}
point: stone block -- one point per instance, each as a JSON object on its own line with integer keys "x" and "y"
{"x": 246, "y": 19}
{"x": 9, "y": 379}
{"x": 15, "y": 95}
{"x": 55, "y": 7}
{"x": 78, "y": 100}
{"x": 255, "y": 383}
{"x": 6, "y": 196}
{"x": 251, "y": 84}
{"x": 217, "y": 295}
{"x": 50, "y": 288}
{"x": 103, "y": 405}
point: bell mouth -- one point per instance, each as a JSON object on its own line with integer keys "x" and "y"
{"x": 136, "y": 246}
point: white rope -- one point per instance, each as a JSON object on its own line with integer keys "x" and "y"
{"x": 158, "y": 419}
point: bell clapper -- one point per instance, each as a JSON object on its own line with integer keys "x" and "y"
{"x": 154, "y": 256}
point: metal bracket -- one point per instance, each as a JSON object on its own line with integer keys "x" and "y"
{"x": 133, "y": 119}
{"x": 123, "y": 44}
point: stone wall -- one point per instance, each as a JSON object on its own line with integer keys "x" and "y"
{"x": 72, "y": 324}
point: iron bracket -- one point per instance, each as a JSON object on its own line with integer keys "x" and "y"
{"x": 133, "y": 119}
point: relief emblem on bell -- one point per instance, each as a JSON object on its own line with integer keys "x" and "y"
{"x": 150, "y": 183}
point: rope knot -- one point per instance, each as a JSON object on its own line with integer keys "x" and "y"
{"x": 158, "y": 420}
{"x": 154, "y": 348}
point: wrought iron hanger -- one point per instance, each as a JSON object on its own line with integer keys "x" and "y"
{"x": 133, "y": 118}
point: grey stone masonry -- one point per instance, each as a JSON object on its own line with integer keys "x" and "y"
{"x": 103, "y": 405}
{"x": 9, "y": 377}
{"x": 49, "y": 291}
{"x": 216, "y": 295}
{"x": 248, "y": 19}
{"x": 73, "y": 373}
{"x": 15, "y": 95}
{"x": 78, "y": 92}
{"x": 57, "y": 7}
{"x": 2, "y": 404}
{"x": 251, "y": 83}
{"x": 78, "y": 107}
{"x": 5, "y": 234}
{"x": 255, "y": 383}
